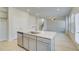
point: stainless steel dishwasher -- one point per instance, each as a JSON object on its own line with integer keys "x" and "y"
{"x": 20, "y": 39}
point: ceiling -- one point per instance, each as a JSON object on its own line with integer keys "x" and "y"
{"x": 47, "y": 11}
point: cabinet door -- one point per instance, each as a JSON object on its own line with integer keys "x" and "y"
{"x": 25, "y": 42}
{"x": 32, "y": 44}
{"x": 19, "y": 39}
{"x": 41, "y": 46}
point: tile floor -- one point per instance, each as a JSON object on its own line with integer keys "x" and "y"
{"x": 62, "y": 43}
{"x": 10, "y": 46}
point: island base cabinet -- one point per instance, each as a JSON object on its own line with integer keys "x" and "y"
{"x": 41, "y": 46}
{"x": 25, "y": 42}
{"x": 32, "y": 44}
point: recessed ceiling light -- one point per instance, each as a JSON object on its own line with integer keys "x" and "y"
{"x": 28, "y": 10}
{"x": 37, "y": 14}
{"x": 58, "y": 9}
{"x": 38, "y": 7}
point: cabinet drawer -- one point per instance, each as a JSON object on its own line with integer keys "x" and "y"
{"x": 43, "y": 40}
{"x": 25, "y": 35}
{"x": 29, "y": 36}
{"x": 42, "y": 46}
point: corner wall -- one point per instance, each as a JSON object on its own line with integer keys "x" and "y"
{"x": 20, "y": 21}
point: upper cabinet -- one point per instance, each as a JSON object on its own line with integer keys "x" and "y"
{"x": 4, "y": 9}
{"x": 4, "y": 12}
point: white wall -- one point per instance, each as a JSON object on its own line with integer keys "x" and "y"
{"x": 57, "y": 25}
{"x": 77, "y": 28}
{"x": 3, "y": 24}
{"x": 20, "y": 21}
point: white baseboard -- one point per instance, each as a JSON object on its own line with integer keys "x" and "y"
{"x": 3, "y": 39}
{"x": 11, "y": 39}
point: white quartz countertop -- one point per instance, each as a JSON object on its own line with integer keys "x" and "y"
{"x": 45, "y": 34}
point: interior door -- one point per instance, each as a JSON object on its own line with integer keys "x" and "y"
{"x": 77, "y": 28}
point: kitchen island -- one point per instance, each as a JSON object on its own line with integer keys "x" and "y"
{"x": 36, "y": 41}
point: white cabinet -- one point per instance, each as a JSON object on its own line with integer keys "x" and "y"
{"x": 29, "y": 42}
{"x": 43, "y": 44}
{"x": 25, "y": 42}
{"x": 32, "y": 43}
{"x": 19, "y": 39}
